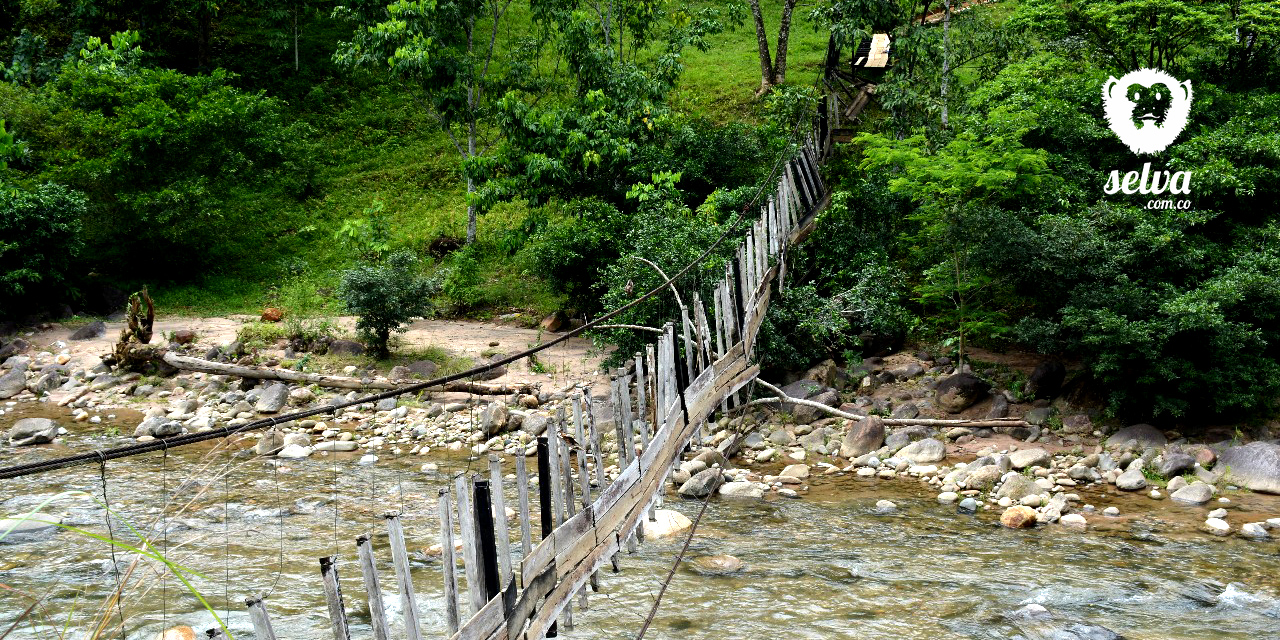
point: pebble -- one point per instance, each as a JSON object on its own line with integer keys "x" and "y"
{"x": 788, "y": 493}
{"x": 947, "y": 497}
{"x": 430, "y": 467}
{"x": 1111, "y": 511}
{"x": 1155, "y": 494}
{"x": 968, "y": 504}
{"x": 368, "y": 458}
{"x": 1224, "y": 500}
{"x": 1005, "y": 502}
{"x": 1218, "y": 513}
{"x": 885, "y": 505}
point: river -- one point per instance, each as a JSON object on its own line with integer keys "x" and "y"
{"x": 829, "y": 565}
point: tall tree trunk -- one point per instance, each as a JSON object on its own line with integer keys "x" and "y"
{"x": 784, "y": 36}
{"x": 762, "y": 42}
{"x": 296, "y": 65}
{"x": 946, "y": 61}
{"x": 471, "y": 139}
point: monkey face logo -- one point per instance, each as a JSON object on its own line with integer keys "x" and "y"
{"x": 1146, "y": 109}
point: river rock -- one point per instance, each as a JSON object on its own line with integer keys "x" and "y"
{"x": 1217, "y": 526}
{"x": 1254, "y": 530}
{"x": 1176, "y": 483}
{"x": 1016, "y": 487}
{"x": 301, "y": 396}
{"x": 799, "y": 471}
{"x": 702, "y": 484}
{"x": 1138, "y": 436}
{"x": 271, "y": 442}
{"x": 1077, "y": 424}
{"x": 999, "y": 406}
{"x": 808, "y": 390}
{"x": 95, "y": 329}
{"x": 1175, "y": 464}
{"x": 294, "y": 451}
{"x": 1131, "y": 480}
{"x": 13, "y": 382}
{"x": 741, "y": 490}
{"x": 29, "y": 431}
{"x": 1036, "y": 622}
{"x": 1195, "y": 493}
{"x": 335, "y": 445}
{"x": 272, "y": 399}
{"x": 1218, "y": 513}
{"x": 493, "y": 419}
{"x": 534, "y": 424}
{"x": 948, "y": 497}
{"x": 1018, "y": 517}
{"x": 666, "y": 523}
{"x": 1074, "y": 521}
{"x": 957, "y": 392}
{"x": 1024, "y": 458}
{"x": 299, "y": 439}
{"x": 885, "y": 506}
{"x": 968, "y": 505}
{"x": 37, "y": 526}
{"x": 905, "y": 411}
{"x": 1037, "y": 417}
{"x": 923, "y": 451}
{"x": 157, "y": 427}
{"x": 983, "y": 477}
{"x": 180, "y": 632}
{"x": 1255, "y": 466}
{"x": 346, "y": 348}
{"x": 717, "y": 565}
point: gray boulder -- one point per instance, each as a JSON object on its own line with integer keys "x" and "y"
{"x": 271, "y": 442}
{"x": 923, "y": 451}
{"x": 905, "y": 411}
{"x": 157, "y": 427}
{"x": 346, "y": 348}
{"x": 1175, "y": 464}
{"x": 702, "y": 484}
{"x": 1023, "y": 458}
{"x": 1018, "y": 487}
{"x": 808, "y": 390}
{"x": 1194, "y": 493}
{"x": 983, "y": 477}
{"x": 90, "y": 331}
{"x": 494, "y": 418}
{"x": 956, "y": 393}
{"x": 1037, "y": 416}
{"x": 534, "y": 424}
{"x": 13, "y": 382}
{"x": 1046, "y": 380}
{"x": 1138, "y": 436}
{"x": 273, "y": 398}
{"x": 424, "y": 368}
{"x": 863, "y": 437}
{"x": 1131, "y": 480}
{"x": 999, "y": 406}
{"x": 1255, "y": 466}
{"x": 32, "y": 431}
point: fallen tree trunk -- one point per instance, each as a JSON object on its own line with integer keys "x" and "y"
{"x": 187, "y": 363}
{"x": 927, "y": 422}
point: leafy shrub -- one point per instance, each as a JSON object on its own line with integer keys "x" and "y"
{"x": 802, "y": 327}
{"x": 574, "y": 250}
{"x": 39, "y": 239}
{"x": 461, "y": 286}
{"x": 386, "y": 295}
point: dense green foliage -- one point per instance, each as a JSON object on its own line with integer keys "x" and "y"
{"x": 529, "y": 155}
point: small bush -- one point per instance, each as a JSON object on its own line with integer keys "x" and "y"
{"x": 39, "y": 236}
{"x": 461, "y": 286}
{"x": 386, "y": 295}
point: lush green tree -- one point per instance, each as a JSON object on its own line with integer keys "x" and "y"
{"x": 386, "y": 295}
{"x": 39, "y": 241}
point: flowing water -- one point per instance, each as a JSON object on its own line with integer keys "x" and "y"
{"x": 826, "y": 566}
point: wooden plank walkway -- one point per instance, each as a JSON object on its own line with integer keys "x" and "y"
{"x": 676, "y": 385}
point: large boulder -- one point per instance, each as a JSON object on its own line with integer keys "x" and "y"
{"x": 271, "y": 442}
{"x": 32, "y": 431}
{"x": 273, "y": 398}
{"x": 1175, "y": 464}
{"x": 1137, "y": 436}
{"x": 1023, "y": 458}
{"x": 741, "y": 490}
{"x": 702, "y": 484}
{"x": 1018, "y": 487}
{"x": 983, "y": 477}
{"x": 90, "y": 331}
{"x": 1046, "y": 379}
{"x": 1194, "y": 493}
{"x": 13, "y": 382}
{"x": 863, "y": 437}
{"x": 666, "y": 523}
{"x": 808, "y": 390}
{"x": 157, "y": 427}
{"x": 923, "y": 451}
{"x": 493, "y": 419}
{"x": 1255, "y": 466}
{"x": 346, "y": 348}
{"x": 958, "y": 392}
{"x": 424, "y": 368}
{"x": 1132, "y": 480}
{"x": 1018, "y": 517}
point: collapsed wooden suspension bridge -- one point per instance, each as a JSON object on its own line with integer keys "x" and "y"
{"x": 661, "y": 400}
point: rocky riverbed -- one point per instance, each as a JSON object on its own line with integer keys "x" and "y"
{"x": 1059, "y": 472}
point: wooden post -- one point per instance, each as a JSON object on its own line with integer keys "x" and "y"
{"x": 470, "y": 545}
{"x": 377, "y": 612}
{"x": 485, "y": 538}
{"x": 651, "y": 383}
{"x": 545, "y": 494}
{"x": 400, "y": 558}
{"x": 691, "y": 356}
{"x": 584, "y": 479}
{"x": 553, "y": 444}
{"x": 566, "y": 471}
{"x": 522, "y": 490}
{"x": 642, "y": 387}
{"x": 628, "y": 418}
{"x": 448, "y": 561}
{"x": 333, "y": 594}
{"x": 258, "y": 618}
{"x": 501, "y": 531}
{"x": 625, "y": 448}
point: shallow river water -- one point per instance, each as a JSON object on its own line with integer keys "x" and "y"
{"x": 826, "y": 566}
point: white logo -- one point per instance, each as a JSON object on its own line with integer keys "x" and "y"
{"x": 1149, "y": 110}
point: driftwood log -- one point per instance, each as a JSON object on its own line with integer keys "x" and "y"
{"x": 187, "y": 363}
{"x": 132, "y": 351}
{"x": 927, "y": 422}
